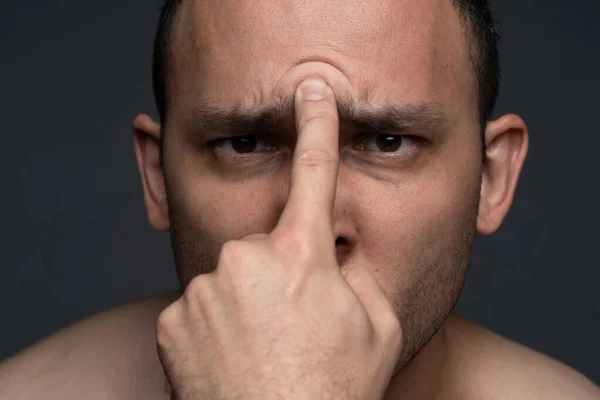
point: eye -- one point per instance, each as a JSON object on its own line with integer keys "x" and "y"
{"x": 242, "y": 145}
{"x": 387, "y": 143}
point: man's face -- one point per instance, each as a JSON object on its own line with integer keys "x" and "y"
{"x": 406, "y": 206}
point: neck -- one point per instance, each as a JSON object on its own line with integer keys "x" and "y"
{"x": 424, "y": 377}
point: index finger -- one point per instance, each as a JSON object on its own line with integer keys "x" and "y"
{"x": 315, "y": 163}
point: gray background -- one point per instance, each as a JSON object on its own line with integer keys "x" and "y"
{"x": 74, "y": 235}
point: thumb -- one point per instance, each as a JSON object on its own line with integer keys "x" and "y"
{"x": 381, "y": 313}
{"x": 369, "y": 291}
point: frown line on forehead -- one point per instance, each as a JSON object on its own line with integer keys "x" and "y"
{"x": 384, "y": 118}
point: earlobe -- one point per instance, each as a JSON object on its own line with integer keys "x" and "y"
{"x": 146, "y": 141}
{"x": 507, "y": 145}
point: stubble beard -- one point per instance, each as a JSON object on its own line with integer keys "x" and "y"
{"x": 422, "y": 308}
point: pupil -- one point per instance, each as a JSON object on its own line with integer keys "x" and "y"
{"x": 389, "y": 143}
{"x": 244, "y": 144}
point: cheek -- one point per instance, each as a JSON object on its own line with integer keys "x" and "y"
{"x": 229, "y": 210}
{"x": 206, "y": 213}
{"x": 418, "y": 232}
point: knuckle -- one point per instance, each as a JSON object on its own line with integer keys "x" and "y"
{"x": 167, "y": 319}
{"x": 295, "y": 249}
{"x": 315, "y": 117}
{"x": 231, "y": 253}
{"x": 197, "y": 286}
{"x": 240, "y": 261}
{"x": 315, "y": 157}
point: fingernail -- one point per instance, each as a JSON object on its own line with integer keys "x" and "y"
{"x": 314, "y": 89}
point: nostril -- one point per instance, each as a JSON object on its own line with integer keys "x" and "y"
{"x": 341, "y": 250}
{"x": 340, "y": 241}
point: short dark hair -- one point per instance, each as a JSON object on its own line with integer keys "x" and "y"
{"x": 477, "y": 17}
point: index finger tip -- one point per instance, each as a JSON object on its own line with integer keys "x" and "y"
{"x": 313, "y": 89}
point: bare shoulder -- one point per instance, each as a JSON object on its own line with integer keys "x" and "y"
{"x": 109, "y": 355}
{"x": 493, "y": 367}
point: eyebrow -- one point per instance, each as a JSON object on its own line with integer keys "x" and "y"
{"x": 364, "y": 117}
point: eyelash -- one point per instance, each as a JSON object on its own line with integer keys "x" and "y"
{"x": 215, "y": 144}
{"x": 367, "y": 136}
{"x": 362, "y": 138}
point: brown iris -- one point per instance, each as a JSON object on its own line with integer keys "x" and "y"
{"x": 244, "y": 144}
{"x": 388, "y": 143}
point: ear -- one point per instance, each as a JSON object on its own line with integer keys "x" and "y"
{"x": 507, "y": 144}
{"x": 146, "y": 142}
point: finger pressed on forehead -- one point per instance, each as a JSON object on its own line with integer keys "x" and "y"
{"x": 280, "y": 112}
{"x": 307, "y": 214}
{"x": 248, "y": 52}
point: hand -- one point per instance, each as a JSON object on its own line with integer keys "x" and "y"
{"x": 278, "y": 318}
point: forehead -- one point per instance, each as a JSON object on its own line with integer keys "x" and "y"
{"x": 384, "y": 51}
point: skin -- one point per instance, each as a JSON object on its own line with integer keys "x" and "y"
{"x": 409, "y": 217}
{"x": 279, "y": 318}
